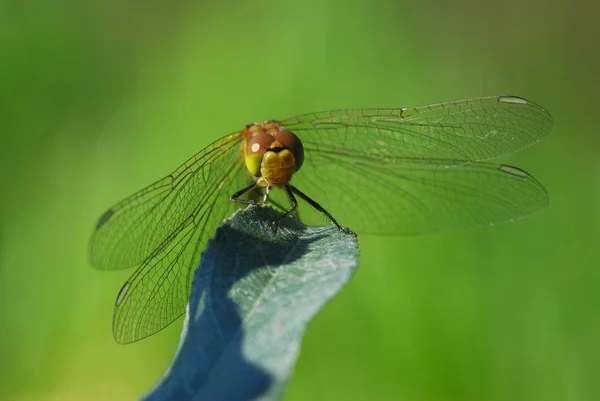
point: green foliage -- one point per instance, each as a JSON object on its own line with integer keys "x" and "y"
{"x": 252, "y": 298}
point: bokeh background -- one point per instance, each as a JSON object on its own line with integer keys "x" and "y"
{"x": 98, "y": 99}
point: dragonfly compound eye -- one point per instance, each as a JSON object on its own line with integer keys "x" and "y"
{"x": 255, "y": 149}
{"x": 291, "y": 142}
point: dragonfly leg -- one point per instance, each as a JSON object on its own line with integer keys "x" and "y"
{"x": 287, "y": 212}
{"x": 277, "y": 205}
{"x": 236, "y": 196}
{"x": 266, "y": 196}
{"x": 283, "y": 208}
{"x": 320, "y": 209}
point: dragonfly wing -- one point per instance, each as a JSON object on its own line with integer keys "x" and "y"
{"x": 418, "y": 169}
{"x": 457, "y": 132}
{"x": 134, "y": 228}
{"x": 369, "y": 196}
{"x": 156, "y": 294}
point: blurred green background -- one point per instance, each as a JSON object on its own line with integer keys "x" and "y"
{"x": 98, "y": 99}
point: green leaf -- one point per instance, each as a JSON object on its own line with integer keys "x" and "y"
{"x": 252, "y": 298}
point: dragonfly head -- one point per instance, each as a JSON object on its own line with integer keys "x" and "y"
{"x": 272, "y": 153}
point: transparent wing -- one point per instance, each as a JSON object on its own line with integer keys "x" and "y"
{"x": 457, "y": 132}
{"x": 415, "y": 170}
{"x": 374, "y": 198}
{"x": 156, "y": 294}
{"x": 135, "y": 227}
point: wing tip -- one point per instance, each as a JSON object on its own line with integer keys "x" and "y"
{"x": 512, "y": 170}
{"x": 512, "y": 99}
{"x": 521, "y": 101}
{"x": 105, "y": 218}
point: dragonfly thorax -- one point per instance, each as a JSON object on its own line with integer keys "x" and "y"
{"x": 271, "y": 154}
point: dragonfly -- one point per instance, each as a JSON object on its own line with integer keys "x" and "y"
{"x": 383, "y": 171}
